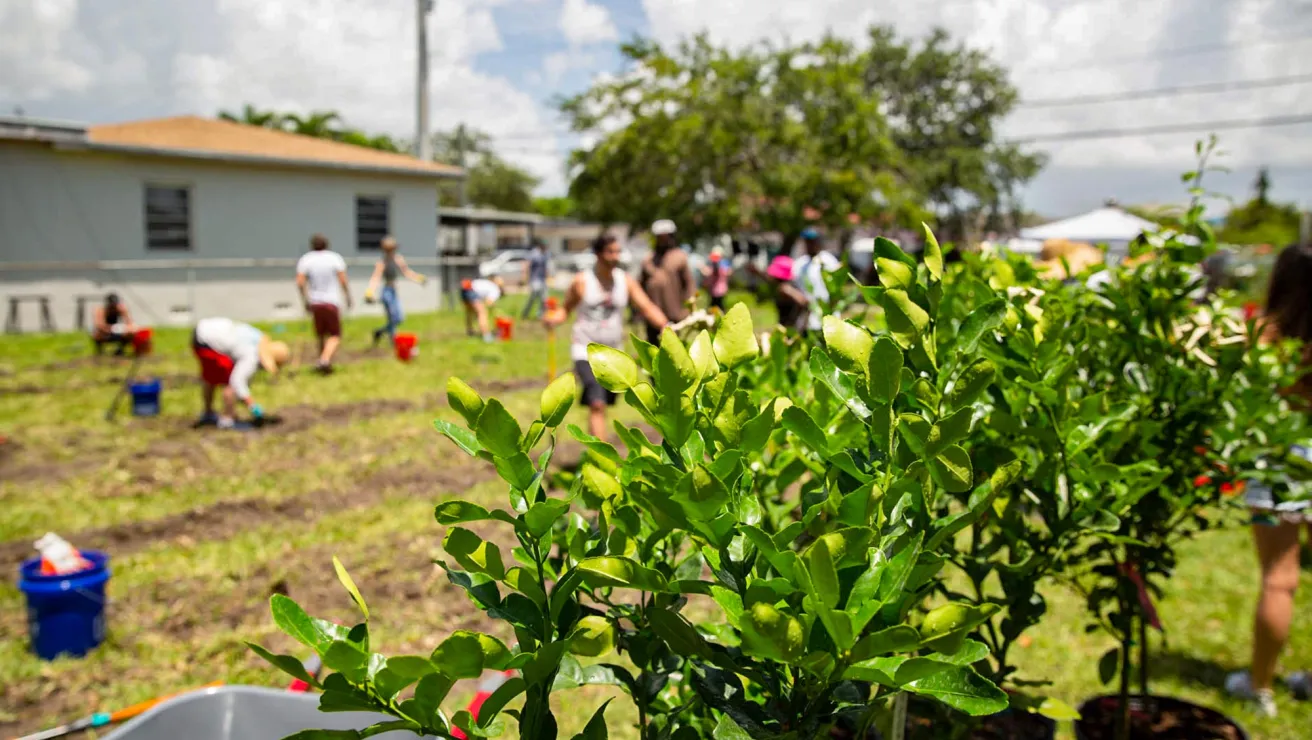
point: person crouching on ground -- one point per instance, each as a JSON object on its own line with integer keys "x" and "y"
{"x": 112, "y": 324}
{"x": 390, "y": 267}
{"x": 321, "y": 278}
{"x": 230, "y": 353}
{"x": 601, "y": 296}
{"x": 479, "y": 296}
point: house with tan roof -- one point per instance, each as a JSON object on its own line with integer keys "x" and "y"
{"x": 188, "y": 217}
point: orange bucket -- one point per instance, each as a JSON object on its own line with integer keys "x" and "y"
{"x": 405, "y": 346}
{"x": 504, "y": 328}
{"x": 141, "y": 341}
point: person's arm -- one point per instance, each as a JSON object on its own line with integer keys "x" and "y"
{"x": 247, "y": 361}
{"x": 641, "y": 301}
{"x": 791, "y": 292}
{"x": 125, "y": 318}
{"x": 302, "y": 285}
{"x": 410, "y": 275}
{"x": 346, "y": 284}
{"x": 689, "y": 287}
{"x": 573, "y": 297}
{"x": 373, "y": 280}
{"x": 99, "y": 321}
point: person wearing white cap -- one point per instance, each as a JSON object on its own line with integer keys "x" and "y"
{"x": 808, "y": 275}
{"x": 666, "y": 277}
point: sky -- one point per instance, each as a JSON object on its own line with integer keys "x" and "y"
{"x": 501, "y": 65}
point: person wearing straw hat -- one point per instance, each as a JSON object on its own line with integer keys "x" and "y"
{"x": 230, "y": 353}
{"x": 390, "y": 267}
{"x": 666, "y": 277}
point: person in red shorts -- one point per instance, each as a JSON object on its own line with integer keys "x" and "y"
{"x": 230, "y": 353}
{"x": 321, "y": 278}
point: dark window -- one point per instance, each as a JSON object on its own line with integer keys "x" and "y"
{"x": 168, "y": 217}
{"x": 372, "y": 220}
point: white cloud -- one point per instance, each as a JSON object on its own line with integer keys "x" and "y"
{"x": 583, "y": 22}
{"x": 558, "y": 63}
{"x": 36, "y": 50}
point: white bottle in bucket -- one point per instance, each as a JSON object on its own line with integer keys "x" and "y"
{"x": 61, "y": 556}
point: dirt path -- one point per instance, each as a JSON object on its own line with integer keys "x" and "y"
{"x": 226, "y": 519}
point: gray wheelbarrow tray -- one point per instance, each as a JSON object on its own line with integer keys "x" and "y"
{"x": 243, "y": 713}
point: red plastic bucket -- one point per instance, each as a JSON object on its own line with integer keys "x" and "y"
{"x": 405, "y": 346}
{"x": 141, "y": 341}
{"x": 504, "y": 328}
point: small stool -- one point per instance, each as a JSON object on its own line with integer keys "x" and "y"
{"x": 12, "y": 320}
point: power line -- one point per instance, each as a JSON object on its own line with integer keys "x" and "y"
{"x": 1165, "y": 92}
{"x": 1182, "y": 51}
{"x": 1173, "y": 128}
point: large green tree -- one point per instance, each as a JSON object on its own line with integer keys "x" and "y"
{"x": 768, "y": 138}
{"x": 775, "y": 137}
{"x": 944, "y": 102}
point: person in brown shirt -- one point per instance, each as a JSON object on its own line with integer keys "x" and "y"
{"x": 666, "y": 277}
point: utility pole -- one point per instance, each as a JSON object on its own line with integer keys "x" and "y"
{"x": 422, "y": 134}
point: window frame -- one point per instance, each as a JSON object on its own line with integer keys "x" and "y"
{"x": 374, "y": 245}
{"x": 150, "y": 243}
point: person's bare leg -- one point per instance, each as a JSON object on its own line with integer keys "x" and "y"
{"x": 597, "y": 420}
{"x": 229, "y": 402}
{"x": 469, "y": 319}
{"x": 207, "y": 397}
{"x": 481, "y": 308}
{"x": 330, "y": 345}
{"x": 1277, "y": 552}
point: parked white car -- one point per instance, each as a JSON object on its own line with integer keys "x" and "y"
{"x": 508, "y": 264}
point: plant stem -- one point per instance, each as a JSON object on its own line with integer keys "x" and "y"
{"x": 899, "y": 729}
{"x": 1143, "y": 658}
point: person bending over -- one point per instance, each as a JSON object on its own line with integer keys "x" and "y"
{"x": 230, "y": 353}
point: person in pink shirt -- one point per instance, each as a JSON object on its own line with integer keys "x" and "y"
{"x": 716, "y": 276}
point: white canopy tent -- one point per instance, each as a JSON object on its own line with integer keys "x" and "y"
{"x": 1109, "y": 225}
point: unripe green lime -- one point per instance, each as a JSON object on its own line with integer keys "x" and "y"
{"x": 769, "y": 633}
{"x": 937, "y": 631}
{"x": 593, "y": 637}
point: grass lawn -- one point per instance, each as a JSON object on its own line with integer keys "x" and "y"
{"x": 203, "y": 526}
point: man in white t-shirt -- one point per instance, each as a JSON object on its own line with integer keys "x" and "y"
{"x": 808, "y": 274}
{"x": 321, "y": 278}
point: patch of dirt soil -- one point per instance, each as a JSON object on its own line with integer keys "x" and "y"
{"x": 225, "y": 519}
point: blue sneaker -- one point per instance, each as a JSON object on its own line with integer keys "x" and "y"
{"x": 207, "y": 419}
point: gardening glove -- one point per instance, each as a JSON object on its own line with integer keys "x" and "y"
{"x": 257, "y": 412}
{"x": 368, "y": 296}
{"x": 423, "y": 279}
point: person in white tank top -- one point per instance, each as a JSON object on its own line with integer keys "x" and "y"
{"x": 601, "y": 297}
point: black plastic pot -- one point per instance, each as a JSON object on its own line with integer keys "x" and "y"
{"x": 1155, "y": 718}
{"x": 925, "y": 720}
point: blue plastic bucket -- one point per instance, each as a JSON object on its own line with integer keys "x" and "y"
{"x": 65, "y": 614}
{"x": 145, "y": 398}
